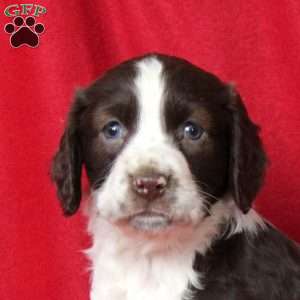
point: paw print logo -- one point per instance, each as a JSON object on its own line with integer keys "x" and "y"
{"x": 24, "y": 32}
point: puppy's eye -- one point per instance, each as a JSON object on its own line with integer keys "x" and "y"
{"x": 113, "y": 130}
{"x": 192, "y": 131}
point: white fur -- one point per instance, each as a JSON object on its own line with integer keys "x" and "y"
{"x": 124, "y": 269}
{"x": 131, "y": 265}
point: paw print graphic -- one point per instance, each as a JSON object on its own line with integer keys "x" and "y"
{"x": 24, "y": 32}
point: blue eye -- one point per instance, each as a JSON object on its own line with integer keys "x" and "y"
{"x": 113, "y": 130}
{"x": 192, "y": 131}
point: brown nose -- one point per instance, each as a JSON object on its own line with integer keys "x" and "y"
{"x": 150, "y": 186}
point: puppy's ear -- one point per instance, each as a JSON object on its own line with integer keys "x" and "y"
{"x": 247, "y": 156}
{"x": 67, "y": 162}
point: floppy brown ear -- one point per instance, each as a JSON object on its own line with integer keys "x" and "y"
{"x": 67, "y": 162}
{"x": 247, "y": 156}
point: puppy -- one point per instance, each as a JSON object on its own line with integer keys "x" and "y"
{"x": 174, "y": 164}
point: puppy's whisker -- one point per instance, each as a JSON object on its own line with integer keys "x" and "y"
{"x": 209, "y": 195}
{"x": 105, "y": 172}
{"x": 200, "y": 182}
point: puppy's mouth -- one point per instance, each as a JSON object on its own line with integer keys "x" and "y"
{"x": 150, "y": 221}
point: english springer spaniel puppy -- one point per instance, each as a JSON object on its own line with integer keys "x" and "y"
{"x": 174, "y": 164}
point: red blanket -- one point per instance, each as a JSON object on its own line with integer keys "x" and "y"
{"x": 253, "y": 43}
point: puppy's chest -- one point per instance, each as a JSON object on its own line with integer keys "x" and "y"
{"x": 132, "y": 277}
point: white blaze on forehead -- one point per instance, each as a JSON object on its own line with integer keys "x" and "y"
{"x": 149, "y": 89}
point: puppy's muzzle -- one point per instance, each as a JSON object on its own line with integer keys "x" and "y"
{"x": 150, "y": 185}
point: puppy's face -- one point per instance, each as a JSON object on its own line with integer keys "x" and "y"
{"x": 161, "y": 141}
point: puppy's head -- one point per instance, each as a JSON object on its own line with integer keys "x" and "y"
{"x": 162, "y": 141}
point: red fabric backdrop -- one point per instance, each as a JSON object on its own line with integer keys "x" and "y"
{"x": 254, "y": 43}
